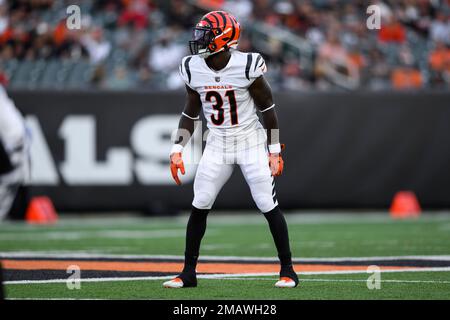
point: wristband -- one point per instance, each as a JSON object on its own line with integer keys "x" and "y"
{"x": 272, "y": 106}
{"x": 275, "y": 148}
{"x": 176, "y": 148}
{"x": 188, "y": 116}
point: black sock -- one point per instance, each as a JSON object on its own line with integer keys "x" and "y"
{"x": 279, "y": 230}
{"x": 194, "y": 233}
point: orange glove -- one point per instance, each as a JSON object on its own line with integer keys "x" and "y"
{"x": 276, "y": 163}
{"x": 176, "y": 162}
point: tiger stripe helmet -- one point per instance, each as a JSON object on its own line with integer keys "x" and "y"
{"x": 217, "y": 31}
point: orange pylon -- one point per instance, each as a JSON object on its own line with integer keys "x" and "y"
{"x": 405, "y": 205}
{"x": 41, "y": 211}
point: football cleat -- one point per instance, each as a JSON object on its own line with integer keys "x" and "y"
{"x": 288, "y": 278}
{"x": 184, "y": 280}
{"x": 285, "y": 282}
{"x": 174, "y": 283}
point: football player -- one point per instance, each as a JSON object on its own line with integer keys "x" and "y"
{"x": 229, "y": 86}
{"x": 13, "y": 156}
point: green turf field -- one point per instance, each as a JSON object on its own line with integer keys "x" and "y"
{"x": 408, "y": 285}
{"x": 312, "y": 235}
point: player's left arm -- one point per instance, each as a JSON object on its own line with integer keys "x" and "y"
{"x": 262, "y": 96}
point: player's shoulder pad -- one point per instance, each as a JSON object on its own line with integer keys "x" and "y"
{"x": 255, "y": 66}
{"x": 185, "y": 69}
{"x": 189, "y": 66}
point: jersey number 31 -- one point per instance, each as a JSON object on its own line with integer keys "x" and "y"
{"x": 218, "y": 118}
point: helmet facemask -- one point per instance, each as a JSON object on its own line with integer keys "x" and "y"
{"x": 202, "y": 40}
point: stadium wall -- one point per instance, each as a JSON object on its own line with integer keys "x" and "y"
{"x": 108, "y": 150}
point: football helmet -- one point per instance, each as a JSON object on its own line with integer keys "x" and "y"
{"x": 217, "y": 31}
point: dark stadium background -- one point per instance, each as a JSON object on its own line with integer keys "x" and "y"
{"x": 364, "y": 113}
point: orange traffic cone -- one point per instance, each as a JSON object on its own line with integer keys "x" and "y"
{"x": 41, "y": 211}
{"x": 405, "y": 205}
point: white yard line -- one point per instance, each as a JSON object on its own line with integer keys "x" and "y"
{"x": 108, "y": 234}
{"x": 222, "y": 276}
{"x": 83, "y": 254}
{"x": 342, "y": 280}
{"x": 387, "y": 281}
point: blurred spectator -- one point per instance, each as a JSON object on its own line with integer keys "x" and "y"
{"x": 378, "y": 74}
{"x": 3, "y": 79}
{"x": 405, "y": 55}
{"x": 98, "y": 76}
{"x": 245, "y": 44}
{"x": 439, "y": 60}
{"x": 385, "y": 10}
{"x": 166, "y": 55}
{"x": 136, "y": 13}
{"x": 406, "y": 77}
{"x": 132, "y": 39}
{"x": 120, "y": 79}
{"x": 4, "y": 21}
{"x": 145, "y": 77}
{"x": 334, "y": 65}
{"x": 97, "y": 47}
{"x": 291, "y": 76}
{"x": 440, "y": 28}
{"x": 182, "y": 14}
{"x": 241, "y": 9}
{"x": 149, "y": 37}
{"x": 262, "y": 10}
{"x": 392, "y": 32}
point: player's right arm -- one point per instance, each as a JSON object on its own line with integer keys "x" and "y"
{"x": 185, "y": 130}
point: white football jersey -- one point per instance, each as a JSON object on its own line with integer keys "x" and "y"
{"x": 229, "y": 109}
{"x": 12, "y": 124}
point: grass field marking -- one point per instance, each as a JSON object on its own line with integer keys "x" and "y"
{"x": 126, "y": 219}
{"x": 81, "y": 254}
{"x": 326, "y": 217}
{"x": 109, "y": 234}
{"x": 444, "y": 227}
{"x": 222, "y": 276}
{"x": 208, "y": 246}
{"x": 385, "y": 270}
{"x": 341, "y": 280}
{"x": 387, "y": 281}
{"x": 112, "y": 279}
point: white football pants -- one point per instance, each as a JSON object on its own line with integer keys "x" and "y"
{"x": 216, "y": 167}
{"x": 11, "y": 181}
